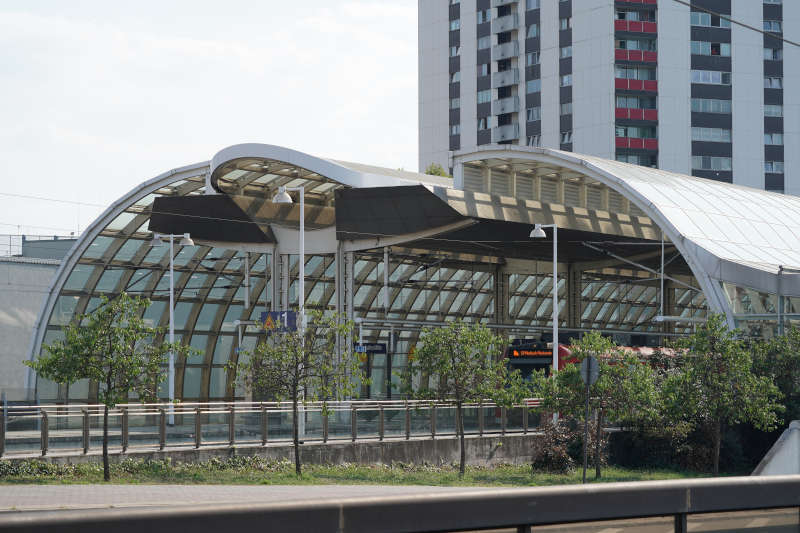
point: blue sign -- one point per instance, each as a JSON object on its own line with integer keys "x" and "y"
{"x": 279, "y": 320}
{"x": 371, "y": 347}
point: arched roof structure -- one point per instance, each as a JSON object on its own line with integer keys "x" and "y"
{"x": 402, "y": 249}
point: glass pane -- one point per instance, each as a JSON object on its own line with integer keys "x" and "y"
{"x": 206, "y": 317}
{"x": 222, "y": 351}
{"x": 191, "y": 382}
{"x": 217, "y": 384}
{"x": 78, "y": 277}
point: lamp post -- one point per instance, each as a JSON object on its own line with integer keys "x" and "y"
{"x": 186, "y": 240}
{"x": 538, "y": 233}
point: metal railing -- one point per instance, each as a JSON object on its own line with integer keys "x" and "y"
{"x": 719, "y": 504}
{"x": 74, "y": 428}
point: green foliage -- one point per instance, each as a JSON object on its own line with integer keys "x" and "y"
{"x": 435, "y": 169}
{"x": 779, "y": 360}
{"x": 459, "y": 363}
{"x": 304, "y": 366}
{"x": 716, "y": 387}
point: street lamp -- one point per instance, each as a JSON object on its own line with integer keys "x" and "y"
{"x": 282, "y": 197}
{"x": 186, "y": 240}
{"x": 538, "y": 233}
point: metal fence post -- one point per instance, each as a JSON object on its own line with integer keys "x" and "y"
{"x": 162, "y": 428}
{"x": 525, "y": 419}
{"x": 433, "y": 420}
{"x": 2, "y": 431}
{"x": 198, "y": 428}
{"x": 503, "y": 419}
{"x": 680, "y": 523}
{"x": 232, "y": 426}
{"x": 408, "y": 421}
{"x": 85, "y": 431}
{"x": 380, "y": 422}
{"x": 353, "y": 423}
{"x": 125, "y": 429}
{"x": 480, "y": 418}
{"x": 45, "y": 431}
{"x": 264, "y": 425}
{"x": 325, "y": 427}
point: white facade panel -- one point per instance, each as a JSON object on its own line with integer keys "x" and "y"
{"x": 434, "y": 123}
{"x": 548, "y": 58}
{"x": 747, "y": 53}
{"x": 593, "y": 78}
{"x": 791, "y": 98}
{"x": 674, "y": 88}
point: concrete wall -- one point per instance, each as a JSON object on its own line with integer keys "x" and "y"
{"x": 791, "y": 98}
{"x": 23, "y": 287}
{"x": 433, "y": 83}
{"x": 486, "y": 450}
{"x": 784, "y": 456}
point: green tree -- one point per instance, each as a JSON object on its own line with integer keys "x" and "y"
{"x": 114, "y": 347}
{"x": 435, "y": 169}
{"x": 625, "y": 391}
{"x": 302, "y": 367}
{"x": 459, "y": 363}
{"x": 779, "y": 359}
{"x": 716, "y": 387}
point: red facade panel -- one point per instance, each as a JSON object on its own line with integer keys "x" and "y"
{"x": 650, "y": 56}
{"x": 650, "y": 27}
{"x": 620, "y": 25}
{"x": 635, "y": 85}
{"x": 650, "y": 85}
{"x": 636, "y": 114}
{"x": 635, "y": 55}
{"x": 635, "y": 26}
{"x": 651, "y": 144}
{"x": 636, "y": 143}
{"x": 621, "y": 112}
{"x": 620, "y": 83}
{"x": 650, "y": 114}
{"x": 622, "y": 142}
{"x": 620, "y": 54}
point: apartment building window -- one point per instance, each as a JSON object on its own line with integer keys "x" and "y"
{"x": 534, "y": 113}
{"x": 635, "y": 73}
{"x": 773, "y": 83}
{"x": 636, "y": 102}
{"x": 636, "y": 16}
{"x": 705, "y": 162}
{"x": 566, "y": 80}
{"x": 647, "y": 45}
{"x": 714, "y": 135}
{"x": 454, "y": 2}
{"x": 773, "y": 54}
{"x": 773, "y": 167}
{"x": 773, "y": 138}
{"x": 533, "y": 140}
{"x": 484, "y": 96}
{"x": 644, "y": 160}
{"x": 773, "y": 110}
{"x": 566, "y": 108}
{"x": 455, "y": 129}
{"x": 774, "y": 26}
{"x": 455, "y": 103}
{"x": 484, "y": 15}
{"x": 565, "y": 23}
{"x": 636, "y": 132}
{"x": 708, "y": 20}
{"x": 484, "y": 69}
{"x": 484, "y": 42}
{"x": 711, "y": 105}
{"x": 531, "y": 58}
{"x": 532, "y": 4}
{"x": 455, "y": 24}
{"x": 711, "y": 77}
{"x": 703, "y": 48}
{"x": 566, "y": 137}
{"x": 455, "y": 51}
{"x": 533, "y": 86}
{"x": 484, "y": 123}
{"x": 533, "y": 31}
{"x": 778, "y": 2}
{"x": 566, "y": 51}
{"x": 455, "y": 77}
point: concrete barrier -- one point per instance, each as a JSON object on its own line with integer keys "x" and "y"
{"x": 784, "y": 456}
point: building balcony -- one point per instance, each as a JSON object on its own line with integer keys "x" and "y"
{"x": 626, "y": 113}
{"x": 636, "y": 143}
{"x": 498, "y": 3}
{"x": 505, "y": 105}
{"x": 635, "y": 55}
{"x": 509, "y": 132}
{"x": 635, "y": 26}
{"x": 507, "y": 23}
{"x": 650, "y": 86}
{"x": 505, "y": 50}
{"x": 505, "y": 77}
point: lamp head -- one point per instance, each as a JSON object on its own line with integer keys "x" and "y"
{"x": 538, "y": 232}
{"x": 156, "y": 240}
{"x": 282, "y": 197}
{"x": 186, "y": 240}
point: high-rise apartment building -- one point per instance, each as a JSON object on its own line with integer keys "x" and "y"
{"x": 661, "y": 83}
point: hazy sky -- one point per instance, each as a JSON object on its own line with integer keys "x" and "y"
{"x": 98, "y": 96}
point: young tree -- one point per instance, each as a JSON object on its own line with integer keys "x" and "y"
{"x": 779, "y": 359}
{"x": 625, "y": 391}
{"x": 435, "y": 169}
{"x": 113, "y": 347}
{"x": 717, "y": 386}
{"x": 303, "y": 367}
{"x": 461, "y": 364}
